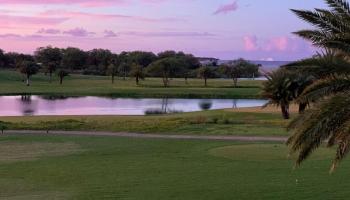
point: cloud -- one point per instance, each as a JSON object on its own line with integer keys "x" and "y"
{"x": 250, "y": 43}
{"x": 78, "y": 32}
{"x": 51, "y": 31}
{"x": 224, "y": 9}
{"x": 168, "y": 34}
{"x": 109, "y": 34}
{"x": 14, "y": 20}
{"x": 86, "y": 3}
{"x": 74, "y": 15}
{"x": 9, "y": 35}
{"x": 287, "y": 45}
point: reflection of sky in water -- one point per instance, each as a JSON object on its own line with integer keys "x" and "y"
{"x": 35, "y": 105}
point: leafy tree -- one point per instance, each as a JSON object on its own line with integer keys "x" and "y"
{"x": 124, "y": 66}
{"x": 205, "y": 72}
{"x": 137, "y": 72}
{"x": 3, "y": 59}
{"x": 113, "y": 67}
{"x": 240, "y": 69}
{"x": 166, "y": 68}
{"x": 74, "y": 58}
{"x": 28, "y": 68}
{"x": 99, "y": 60}
{"x": 141, "y": 58}
{"x": 61, "y": 74}
{"x": 329, "y": 118}
{"x": 50, "y": 58}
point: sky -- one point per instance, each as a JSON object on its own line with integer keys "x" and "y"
{"x": 225, "y": 29}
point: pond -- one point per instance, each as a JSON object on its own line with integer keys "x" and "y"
{"x": 89, "y": 105}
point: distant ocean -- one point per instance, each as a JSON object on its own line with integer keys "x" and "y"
{"x": 267, "y": 66}
{"x": 270, "y": 65}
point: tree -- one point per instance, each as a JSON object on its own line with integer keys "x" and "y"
{"x": 205, "y": 72}
{"x": 329, "y": 118}
{"x": 166, "y": 68}
{"x": 3, "y": 59}
{"x": 98, "y": 61}
{"x": 61, "y": 74}
{"x": 73, "y": 58}
{"x": 113, "y": 67}
{"x": 49, "y": 57}
{"x": 28, "y": 68}
{"x": 186, "y": 63}
{"x": 141, "y": 58}
{"x": 124, "y": 66}
{"x": 137, "y": 72}
{"x": 277, "y": 89}
{"x": 240, "y": 69}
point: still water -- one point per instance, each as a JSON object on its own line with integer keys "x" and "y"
{"x": 45, "y": 105}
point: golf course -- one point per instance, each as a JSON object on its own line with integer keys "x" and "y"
{"x": 93, "y": 164}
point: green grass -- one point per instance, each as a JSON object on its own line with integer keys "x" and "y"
{"x": 152, "y": 169}
{"x": 79, "y": 85}
{"x": 217, "y": 122}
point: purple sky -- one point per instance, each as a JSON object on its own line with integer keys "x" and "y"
{"x": 227, "y": 29}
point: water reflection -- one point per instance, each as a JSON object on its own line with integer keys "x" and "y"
{"x": 62, "y": 105}
{"x": 28, "y": 106}
{"x": 205, "y": 104}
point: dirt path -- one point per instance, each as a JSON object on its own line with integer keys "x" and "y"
{"x": 139, "y": 135}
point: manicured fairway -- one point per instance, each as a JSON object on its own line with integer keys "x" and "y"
{"x": 79, "y": 85}
{"x": 71, "y": 167}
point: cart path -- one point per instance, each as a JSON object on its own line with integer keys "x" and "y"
{"x": 155, "y": 136}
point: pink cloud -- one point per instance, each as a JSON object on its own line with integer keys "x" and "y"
{"x": 224, "y": 9}
{"x": 49, "y": 31}
{"x": 109, "y": 34}
{"x": 13, "y": 20}
{"x": 167, "y": 34}
{"x": 88, "y": 3}
{"x": 78, "y": 32}
{"x": 250, "y": 43}
{"x": 70, "y": 14}
{"x": 278, "y": 44}
{"x": 275, "y": 44}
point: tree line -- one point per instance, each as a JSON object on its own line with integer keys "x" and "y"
{"x": 137, "y": 64}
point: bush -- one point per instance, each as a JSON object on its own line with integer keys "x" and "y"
{"x": 3, "y": 126}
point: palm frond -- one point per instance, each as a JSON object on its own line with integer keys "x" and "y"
{"x": 339, "y": 6}
{"x": 320, "y": 123}
{"x": 323, "y": 88}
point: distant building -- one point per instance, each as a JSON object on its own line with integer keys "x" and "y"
{"x": 208, "y": 61}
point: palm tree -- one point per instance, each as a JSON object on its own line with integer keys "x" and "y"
{"x": 329, "y": 118}
{"x": 277, "y": 89}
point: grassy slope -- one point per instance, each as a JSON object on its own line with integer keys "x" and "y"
{"x": 11, "y": 84}
{"x": 130, "y": 169}
{"x": 218, "y": 122}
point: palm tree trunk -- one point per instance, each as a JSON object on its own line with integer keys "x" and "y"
{"x": 302, "y": 107}
{"x": 285, "y": 111}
